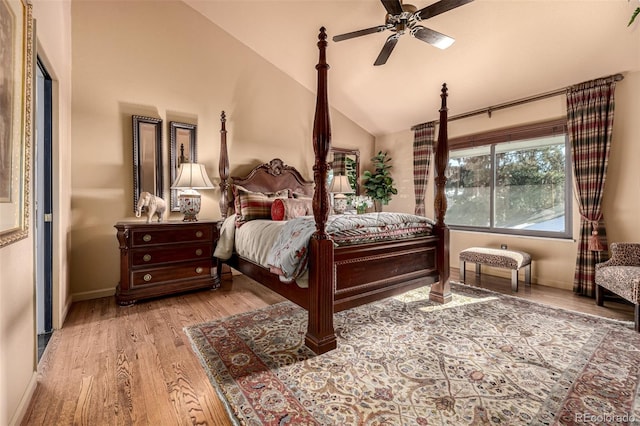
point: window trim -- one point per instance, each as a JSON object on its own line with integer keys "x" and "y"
{"x": 509, "y": 134}
{"x": 547, "y": 128}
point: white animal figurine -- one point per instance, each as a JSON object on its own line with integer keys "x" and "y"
{"x": 154, "y": 205}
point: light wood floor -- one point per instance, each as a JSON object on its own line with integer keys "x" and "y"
{"x": 112, "y": 365}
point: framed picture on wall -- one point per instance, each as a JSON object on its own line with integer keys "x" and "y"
{"x": 16, "y": 97}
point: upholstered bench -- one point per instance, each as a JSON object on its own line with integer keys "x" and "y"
{"x": 498, "y": 258}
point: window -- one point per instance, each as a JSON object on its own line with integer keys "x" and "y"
{"x": 515, "y": 181}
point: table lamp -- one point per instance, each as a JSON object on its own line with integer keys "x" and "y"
{"x": 191, "y": 176}
{"x": 339, "y": 187}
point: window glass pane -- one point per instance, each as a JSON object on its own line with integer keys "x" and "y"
{"x": 468, "y": 187}
{"x": 530, "y": 185}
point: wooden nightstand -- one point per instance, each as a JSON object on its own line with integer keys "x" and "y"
{"x": 158, "y": 259}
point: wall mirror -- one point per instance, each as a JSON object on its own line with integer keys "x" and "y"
{"x": 147, "y": 157}
{"x": 182, "y": 147}
{"x": 345, "y": 161}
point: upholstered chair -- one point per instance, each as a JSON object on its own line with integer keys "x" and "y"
{"x": 621, "y": 275}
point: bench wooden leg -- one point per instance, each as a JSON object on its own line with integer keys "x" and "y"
{"x": 478, "y": 268}
{"x": 514, "y": 280}
{"x": 637, "y": 317}
{"x": 527, "y": 274}
{"x": 463, "y": 271}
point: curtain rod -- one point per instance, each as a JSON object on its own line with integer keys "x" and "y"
{"x": 489, "y": 110}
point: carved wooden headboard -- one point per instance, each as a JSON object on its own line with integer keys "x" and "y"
{"x": 272, "y": 177}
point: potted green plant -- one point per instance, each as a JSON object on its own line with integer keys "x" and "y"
{"x": 379, "y": 183}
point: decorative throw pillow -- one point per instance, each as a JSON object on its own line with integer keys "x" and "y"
{"x": 277, "y": 209}
{"x": 254, "y": 205}
{"x": 302, "y": 195}
{"x": 289, "y": 208}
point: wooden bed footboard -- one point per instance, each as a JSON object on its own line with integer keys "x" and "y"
{"x": 369, "y": 272}
{"x": 363, "y": 273}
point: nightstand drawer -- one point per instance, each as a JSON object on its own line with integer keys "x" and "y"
{"x": 185, "y": 234}
{"x": 184, "y": 271}
{"x": 163, "y": 254}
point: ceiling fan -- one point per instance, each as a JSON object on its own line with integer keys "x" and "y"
{"x": 403, "y": 18}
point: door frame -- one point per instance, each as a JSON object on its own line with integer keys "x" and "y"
{"x": 43, "y": 183}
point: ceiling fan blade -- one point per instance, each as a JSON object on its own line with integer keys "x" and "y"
{"x": 393, "y": 7}
{"x": 359, "y": 33}
{"x": 438, "y": 8}
{"x": 387, "y": 49}
{"x": 432, "y": 37}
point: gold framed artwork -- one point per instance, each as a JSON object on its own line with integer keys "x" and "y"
{"x": 16, "y": 95}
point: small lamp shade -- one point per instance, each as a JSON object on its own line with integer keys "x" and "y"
{"x": 191, "y": 176}
{"x": 339, "y": 187}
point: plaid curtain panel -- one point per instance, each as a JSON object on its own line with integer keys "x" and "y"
{"x": 423, "y": 138}
{"x": 590, "y": 108}
{"x": 338, "y": 164}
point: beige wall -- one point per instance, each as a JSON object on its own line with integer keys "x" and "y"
{"x": 168, "y": 61}
{"x": 17, "y": 321}
{"x": 18, "y": 349}
{"x": 554, "y": 260}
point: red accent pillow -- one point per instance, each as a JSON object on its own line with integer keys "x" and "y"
{"x": 277, "y": 209}
{"x": 290, "y": 208}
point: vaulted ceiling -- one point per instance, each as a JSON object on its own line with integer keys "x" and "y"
{"x": 504, "y": 50}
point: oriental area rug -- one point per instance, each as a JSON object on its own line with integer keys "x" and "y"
{"x": 484, "y": 358}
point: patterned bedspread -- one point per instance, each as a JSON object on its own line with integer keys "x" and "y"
{"x": 288, "y": 255}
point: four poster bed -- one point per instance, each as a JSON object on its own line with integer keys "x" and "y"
{"x": 340, "y": 276}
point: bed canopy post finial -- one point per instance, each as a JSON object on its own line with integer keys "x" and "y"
{"x": 223, "y": 168}
{"x": 441, "y": 290}
{"x": 321, "y": 336}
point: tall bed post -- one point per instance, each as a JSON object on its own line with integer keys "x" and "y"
{"x": 441, "y": 290}
{"x": 223, "y": 168}
{"x": 223, "y": 270}
{"x": 321, "y": 335}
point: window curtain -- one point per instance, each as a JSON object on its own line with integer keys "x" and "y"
{"x": 590, "y": 108}
{"x": 423, "y": 138}
{"x": 338, "y": 163}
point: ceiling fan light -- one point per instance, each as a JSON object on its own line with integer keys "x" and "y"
{"x": 409, "y": 8}
{"x": 444, "y": 43}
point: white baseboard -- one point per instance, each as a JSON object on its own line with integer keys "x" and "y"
{"x": 94, "y": 294}
{"x": 21, "y": 411}
{"x": 65, "y": 311}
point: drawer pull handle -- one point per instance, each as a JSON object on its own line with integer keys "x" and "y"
{"x": 147, "y": 277}
{"x": 146, "y": 238}
{"x": 199, "y": 234}
{"x": 199, "y": 270}
{"x": 199, "y": 252}
{"x": 146, "y": 257}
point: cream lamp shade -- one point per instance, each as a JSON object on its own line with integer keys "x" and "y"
{"x": 191, "y": 176}
{"x": 340, "y": 186}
